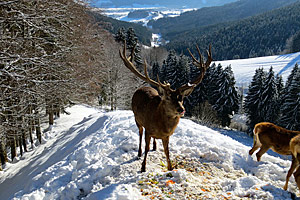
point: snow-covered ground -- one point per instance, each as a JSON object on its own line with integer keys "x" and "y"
{"x": 244, "y": 69}
{"x": 92, "y": 154}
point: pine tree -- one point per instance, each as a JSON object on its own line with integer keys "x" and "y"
{"x": 131, "y": 42}
{"x": 289, "y": 80}
{"x": 253, "y": 99}
{"x": 120, "y": 35}
{"x": 183, "y": 71}
{"x": 280, "y": 93}
{"x": 155, "y": 71}
{"x": 268, "y": 105}
{"x": 227, "y": 99}
{"x": 213, "y": 84}
{"x": 290, "y": 117}
{"x": 170, "y": 68}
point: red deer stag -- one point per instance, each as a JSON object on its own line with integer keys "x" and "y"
{"x": 159, "y": 111}
{"x": 268, "y": 135}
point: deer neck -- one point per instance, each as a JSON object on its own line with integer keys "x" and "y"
{"x": 168, "y": 119}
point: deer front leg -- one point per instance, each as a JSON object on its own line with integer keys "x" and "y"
{"x": 147, "y": 147}
{"x": 294, "y": 165}
{"x": 166, "y": 150}
{"x": 141, "y": 137}
{"x": 254, "y": 148}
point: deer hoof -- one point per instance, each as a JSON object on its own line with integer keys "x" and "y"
{"x": 285, "y": 187}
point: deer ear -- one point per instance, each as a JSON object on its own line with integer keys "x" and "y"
{"x": 161, "y": 90}
{"x": 187, "y": 91}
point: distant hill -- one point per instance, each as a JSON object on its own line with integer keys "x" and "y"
{"x": 261, "y": 35}
{"x": 244, "y": 69}
{"x": 171, "y": 27}
{"x": 159, "y": 3}
{"x": 143, "y": 33}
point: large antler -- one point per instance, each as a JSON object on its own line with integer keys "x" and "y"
{"x": 128, "y": 63}
{"x": 200, "y": 64}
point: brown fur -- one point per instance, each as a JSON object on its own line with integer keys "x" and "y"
{"x": 159, "y": 115}
{"x": 295, "y": 150}
{"x": 297, "y": 177}
{"x": 268, "y": 135}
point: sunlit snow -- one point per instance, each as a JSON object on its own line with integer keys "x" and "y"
{"x": 92, "y": 154}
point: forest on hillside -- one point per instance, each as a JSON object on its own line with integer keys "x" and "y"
{"x": 170, "y": 27}
{"x": 271, "y": 33}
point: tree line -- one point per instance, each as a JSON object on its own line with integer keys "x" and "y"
{"x": 269, "y": 100}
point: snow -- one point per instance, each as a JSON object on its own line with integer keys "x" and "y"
{"x": 244, "y": 69}
{"x": 92, "y": 154}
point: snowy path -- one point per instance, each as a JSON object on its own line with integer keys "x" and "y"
{"x": 96, "y": 159}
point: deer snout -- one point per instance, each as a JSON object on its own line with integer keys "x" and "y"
{"x": 181, "y": 111}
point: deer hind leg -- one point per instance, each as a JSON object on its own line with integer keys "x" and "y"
{"x": 166, "y": 150}
{"x": 294, "y": 165}
{"x": 141, "y": 137}
{"x": 263, "y": 149}
{"x": 297, "y": 177}
{"x": 154, "y": 144}
{"x": 147, "y": 147}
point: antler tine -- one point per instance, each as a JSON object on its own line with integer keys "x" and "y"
{"x": 128, "y": 63}
{"x": 201, "y": 65}
{"x": 209, "y": 57}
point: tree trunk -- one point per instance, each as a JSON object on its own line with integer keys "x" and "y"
{"x": 3, "y": 153}
{"x": 31, "y": 126}
{"x": 13, "y": 146}
{"x": 24, "y": 141}
{"x": 38, "y": 130}
{"x": 51, "y": 116}
{"x": 20, "y": 145}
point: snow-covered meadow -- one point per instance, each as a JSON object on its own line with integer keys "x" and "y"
{"x": 92, "y": 154}
{"x": 244, "y": 69}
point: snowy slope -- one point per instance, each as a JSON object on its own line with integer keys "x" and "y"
{"x": 244, "y": 69}
{"x": 92, "y": 154}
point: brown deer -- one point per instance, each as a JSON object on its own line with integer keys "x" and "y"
{"x": 159, "y": 111}
{"x": 268, "y": 135}
{"x": 295, "y": 149}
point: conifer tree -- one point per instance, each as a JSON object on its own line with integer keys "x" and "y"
{"x": 253, "y": 99}
{"x": 155, "y": 71}
{"x": 213, "y": 84}
{"x": 120, "y": 35}
{"x": 268, "y": 104}
{"x": 227, "y": 99}
{"x": 131, "y": 42}
{"x": 290, "y": 109}
{"x": 170, "y": 68}
{"x": 183, "y": 71}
